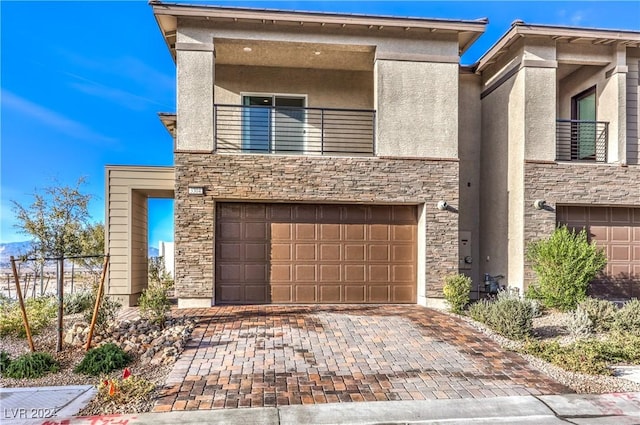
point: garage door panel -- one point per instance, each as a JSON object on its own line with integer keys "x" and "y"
{"x": 231, "y": 231}
{"x": 306, "y": 294}
{"x": 330, "y": 232}
{"x": 355, "y": 294}
{"x": 288, "y": 253}
{"x": 379, "y": 252}
{"x": 305, "y": 231}
{"x": 330, "y": 294}
{"x": 379, "y": 294}
{"x": 617, "y": 231}
{"x": 230, "y": 251}
{"x": 330, "y": 273}
{"x": 254, "y": 231}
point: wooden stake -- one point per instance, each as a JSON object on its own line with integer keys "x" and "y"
{"x": 60, "y": 303}
{"x": 21, "y": 301}
{"x": 96, "y": 308}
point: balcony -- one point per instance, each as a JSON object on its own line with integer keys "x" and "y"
{"x": 578, "y": 140}
{"x": 294, "y": 130}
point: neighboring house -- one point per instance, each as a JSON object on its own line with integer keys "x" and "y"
{"x": 560, "y": 125}
{"x": 327, "y": 158}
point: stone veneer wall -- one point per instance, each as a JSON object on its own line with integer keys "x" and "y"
{"x": 267, "y": 178}
{"x": 573, "y": 184}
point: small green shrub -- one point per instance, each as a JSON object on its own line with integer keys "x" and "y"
{"x": 579, "y": 324}
{"x": 5, "y": 361}
{"x": 509, "y": 315}
{"x": 31, "y": 365}
{"x": 590, "y": 356}
{"x": 107, "y": 312}
{"x": 154, "y": 303}
{"x": 125, "y": 391}
{"x": 627, "y": 318}
{"x": 602, "y": 313}
{"x": 79, "y": 302}
{"x": 40, "y": 313}
{"x": 564, "y": 263}
{"x": 102, "y": 360}
{"x": 456, "y": 292}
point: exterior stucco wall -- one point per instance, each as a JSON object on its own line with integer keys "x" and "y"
{"x": 417, "y": 105}
{"x": 633, "y": 108}
{"x": 273, "y": 178}
{"x": 469, "y": 139}
{"x": 539, "y": 113}
{"x": 573, "y": 184}
{"x": 494, "y": 176}
{"x": 325, "y": 88}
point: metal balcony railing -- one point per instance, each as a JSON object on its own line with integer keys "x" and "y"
{"x": 293, "y": 130}
{"x": 578, "y": 140}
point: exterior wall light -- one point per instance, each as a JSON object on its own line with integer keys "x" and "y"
{"x": 539, "y": 204}
{"x": 442, "y": 205}
{"x": 196, "y": 190}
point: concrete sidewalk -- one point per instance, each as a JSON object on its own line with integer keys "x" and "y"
{"x": 605, "y": 409}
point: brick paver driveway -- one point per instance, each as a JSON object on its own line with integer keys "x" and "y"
{"x": 278, "y": 355}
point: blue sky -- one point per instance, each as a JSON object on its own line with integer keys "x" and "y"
{"x": 82, "y": 82}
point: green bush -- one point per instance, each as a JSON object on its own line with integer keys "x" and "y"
{"x": 5, "y": 361}
{"x": 627, "y": 318}
{"x": 590, "y": 356}
{"x": 102, "y": 360}
{"x": 79, "y": 302}
{"x": 579, "y": 324}
{"x": 602, "y": 313}
{"x": 154, "y": 303}
{"x": 107, "y": 312}
{"x": 564, "y": 263}
{"x": 508, "y": 315}
{"x": 40, "y": 313}
{"x": 32, "y": 365}
{"x": 456, "y": 292}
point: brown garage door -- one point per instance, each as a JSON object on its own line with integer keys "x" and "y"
{"x": 617, "y": 230}
{"x": 300, "y": 253}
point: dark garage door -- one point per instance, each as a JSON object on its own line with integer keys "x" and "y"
{"x": 617, "y": 230}
{"x": 301, "y": 253}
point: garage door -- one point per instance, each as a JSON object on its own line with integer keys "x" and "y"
{"x": 617, "y": 230}
{"x": 300, "y": 253}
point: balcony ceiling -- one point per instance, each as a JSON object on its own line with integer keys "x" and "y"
{"x": 293, "y": 55}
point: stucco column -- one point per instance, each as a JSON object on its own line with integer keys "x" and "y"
{"x": 195, "y": 78}
{"x": 616, "y": 93}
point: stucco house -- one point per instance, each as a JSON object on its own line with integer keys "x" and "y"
{"x": 328, "y": 158}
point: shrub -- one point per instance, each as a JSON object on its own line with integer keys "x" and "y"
{"x": 456, "y": 292}
{"x": 564, "y": 263}
{"x": 602, "y": 313}
{"x": 154, "y": 303}
{"x": 79, "y": 302}
{"x": 590, "y": 356}
{"x": 508, "y": 315}
{"x": 107, "y": 312}
{"x": 31, "y": 365}
{"x": 40, "y": 313}
{"x": 124, "y": 391}
{"x": 627, "y": 318}
{"x": 579, "y": 324}
{"x": 102, "y": 360}
{"x": 5, "y": 361}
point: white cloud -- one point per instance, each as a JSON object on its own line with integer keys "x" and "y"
{"x": 52, "y": 119}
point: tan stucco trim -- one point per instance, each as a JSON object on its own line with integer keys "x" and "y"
{"x": 196, "y": 47}
{"x": 414, "y": 57}
{"x": 536, "y": 63}
{"x": 616, "y": 70}
{"x": 193, "y": 151}
{"x": 526, "y": 63}
{"x": 414, "y": 158}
